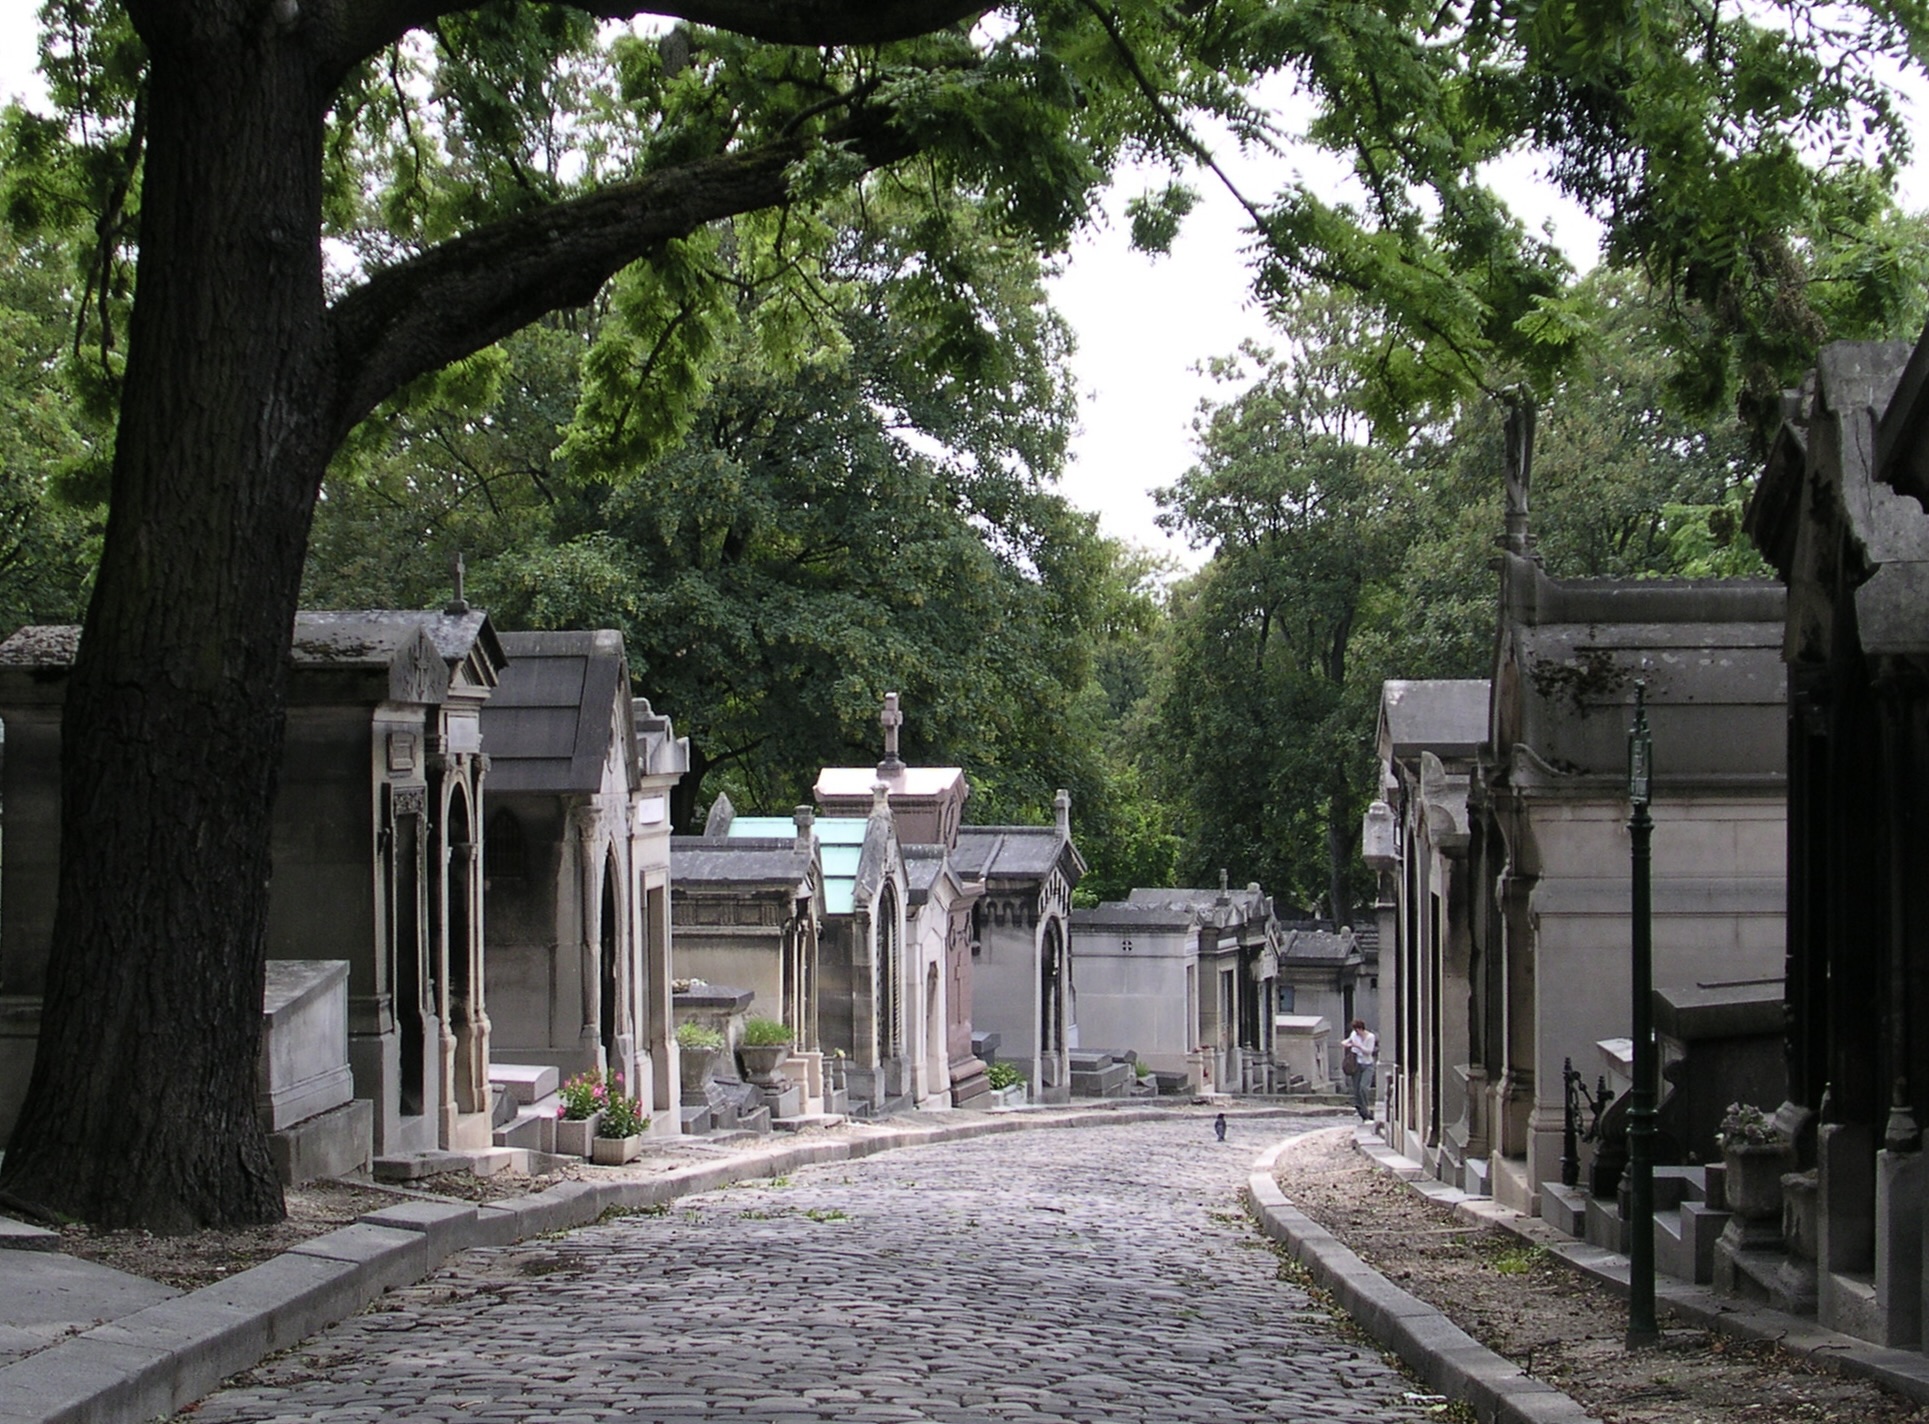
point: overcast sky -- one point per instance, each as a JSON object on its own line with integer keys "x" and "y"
{"x": 1144, "y": 325}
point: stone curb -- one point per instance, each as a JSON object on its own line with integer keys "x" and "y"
{"x": 1448, "y": 1359}
{"x": 1903, "y": 1371}
{"x": 157, "y": 1361}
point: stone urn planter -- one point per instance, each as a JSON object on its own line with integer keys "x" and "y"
{"x": 575, "y": 1136}
{"x": 615, "y": 1151}
{"x": 694, "y": 1066}
{"x": 1752, "y": 1179}
{"x": 761, "y": 1062}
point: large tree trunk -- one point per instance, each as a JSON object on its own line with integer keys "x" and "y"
{"x": 140, "y": 1109}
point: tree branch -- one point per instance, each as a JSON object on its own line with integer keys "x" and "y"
{"x": 363, "y": 27}
{"x": 458, "y": 297}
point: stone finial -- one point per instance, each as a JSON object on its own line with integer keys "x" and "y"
{"x": 890, "y": 719}
{"x": 805, "y": 820}
{"x": 1062, "y": 812}
{"x": 880, "y": 799}
{"x": 458, "y": 604}
{"x": 1225, "y": 886}
{"x": 1519, "y": 462}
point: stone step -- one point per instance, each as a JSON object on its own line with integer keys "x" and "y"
{"x": 1108, "y": 1081}
{"x": 529, "y": 1129}
{"x": 528, "y": 1082}
{"x": 23, "y": 1236}
{"x": 479, "y": 1161}
{"x": 804, "y": 1120}
{"x": 695, "y": 1120}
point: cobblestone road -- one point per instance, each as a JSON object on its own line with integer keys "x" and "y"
{"x": 1082, "y": 1274}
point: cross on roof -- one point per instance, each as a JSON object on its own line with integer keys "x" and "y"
{"x": 457, "y": 568}
{"x": 890, "y": 719}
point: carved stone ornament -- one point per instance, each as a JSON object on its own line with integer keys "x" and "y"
{"x": 417, "y": 673}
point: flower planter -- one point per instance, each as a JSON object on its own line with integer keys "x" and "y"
{"x": 761, "y": 1062}
{"x": 575, "y": 1135}
{"x": 1753, "y": 1178}
{"x": 693, "y": 1069}
{"x": 615, "y": 1151}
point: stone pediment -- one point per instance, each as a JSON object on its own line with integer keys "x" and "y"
{"x": 417, "y": 673}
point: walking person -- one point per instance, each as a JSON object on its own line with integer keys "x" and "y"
{"x": 1362, "y": 1047}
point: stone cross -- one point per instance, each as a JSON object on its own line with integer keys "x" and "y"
{"x": 890, "y": 719}
{"x": 457, "y": 568}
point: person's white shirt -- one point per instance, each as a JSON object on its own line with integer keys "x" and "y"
{"x": 1365, "y": 1044}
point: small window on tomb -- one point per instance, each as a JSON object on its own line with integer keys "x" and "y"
{"x": 505, "y": 854}
{"x": 1285, "y": 998}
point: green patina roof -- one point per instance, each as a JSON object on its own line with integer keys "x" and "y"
{"x": 840, "y": 845}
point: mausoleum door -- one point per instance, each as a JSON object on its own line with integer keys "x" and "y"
{"x": 608, "y": 979}
{"x": 462, "y": 966}
{"x": 408, "y": 974}
{"x": 890, "y": 976}
{"x": 1051, "y": 996}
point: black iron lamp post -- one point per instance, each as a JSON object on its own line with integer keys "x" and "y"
{"x": 1642, "y": 1329}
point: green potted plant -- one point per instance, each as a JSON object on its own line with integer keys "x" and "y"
{"x": 765, "y": 1046}
{"x": 579, "y": 1106}
{"x": 697, "y": 1049}
{"x": 620, "y": 1129}
{"x": 1007, "y": 1080}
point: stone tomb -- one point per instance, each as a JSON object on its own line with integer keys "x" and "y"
{"x": 305, "y": 1091}
{"x": 748, "y": 911}
{"x": 1854, "y": 552}
{"x": 1023, "y": 986}
{"x": 927, "y": 809}
{"x": 577, "y": 869}
{"x": 1187, "y": 979}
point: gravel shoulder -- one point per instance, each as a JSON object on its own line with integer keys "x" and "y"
{"x": 200, "y": 1258}
{"x": 1558, "y": 1326}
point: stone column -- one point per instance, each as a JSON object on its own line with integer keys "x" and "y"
{"x": 589, "y": 914}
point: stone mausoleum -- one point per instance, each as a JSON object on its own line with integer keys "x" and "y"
{"x": 1502, "y": 846}
{"x": 377, "y": 844}
{"x": 577, "y": 866}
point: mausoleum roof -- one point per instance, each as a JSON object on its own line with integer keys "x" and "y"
{"x": 562, "y": 700}
{"x": 1124, "y": 914}
{"x": 738, "y": 860}
{"x": 371, "y": 637}
{"x": 1709, "y": 652}
{"x": 854, "y": 783}
{"x": 363, "y": 639}
{"x": 1221, "y": 908}
{"x": 840, "y": 847}
{"x": 1015, "y": 853}
{"x": 1445, "y": 716}
{"x": 1317, "y": 945}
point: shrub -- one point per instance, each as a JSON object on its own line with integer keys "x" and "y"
{"x": 1004, "y": 1075}
{"x": 695, "y": 1035}
{"x": 765, "y": 1033}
